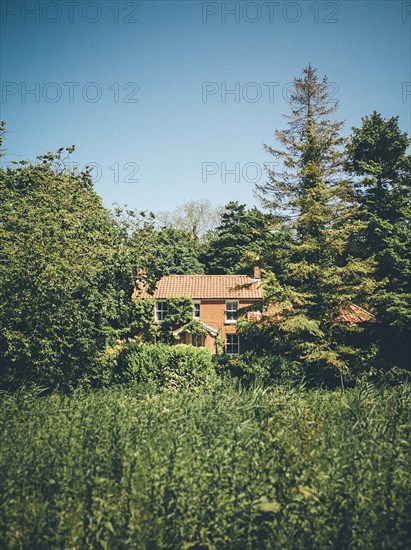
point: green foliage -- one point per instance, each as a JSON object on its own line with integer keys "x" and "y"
{"x": 311, "y": 199}
{"x": 237, "y": 242}
{"x": 66, "y": 275}
{"x": 2, "y": 132}
{"x": 258, "y": 336}
{"x": 220, "y": 345}
{"x": 173, "y": 367}
{"x": 180, "y": 313}
{"x": 174, "y": 254}
{"x": 194, "y": 327}
{"x": 143, "y": 326}
{"x": 265, "y": 368}
{"x": 159, "y": 251}
{"x": 379, "y": 161}
{"x": 228, "y": 468}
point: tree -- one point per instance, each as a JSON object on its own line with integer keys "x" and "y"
{"x": 157, "y": 251}
{"x": 174, "y": 254}
{"x": 312, "y": 198}
{"x": 2, "y": 132}
{"x": 382, "y": 168}
{"x": 196, "y": 218}
{"x": 65, "y": 275}
{"x": 238, "y": 240}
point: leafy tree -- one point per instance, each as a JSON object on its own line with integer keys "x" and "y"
{"x": 312, "y": 199}
{"x": 238, "y": 241}
{"x": 378, "y": 160}
{"x": 196, "y": 218}
{"x": 174, "y": 254}
{"x": 157, "y": 252}
{"x": 65, "y": 286}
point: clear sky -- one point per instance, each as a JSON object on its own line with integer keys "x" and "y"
{"x": 141, "y": 87}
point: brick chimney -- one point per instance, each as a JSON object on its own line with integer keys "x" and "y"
{"x": 257, "y": 273}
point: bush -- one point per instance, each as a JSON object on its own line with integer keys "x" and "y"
{"x": 268, "y": 368}
{"x": 391, "y": 377}
{"x": 173, "y": 367}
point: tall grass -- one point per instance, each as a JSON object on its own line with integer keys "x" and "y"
{"x": 224, "y": 468}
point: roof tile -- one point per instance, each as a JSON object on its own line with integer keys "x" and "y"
{"x": 206, "y": 287}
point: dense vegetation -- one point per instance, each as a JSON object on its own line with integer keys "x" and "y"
{"x": 223, "y": 468}
{"x": 111, "y": 439}
{"x": 164, "y": 366}
{"x": 335, "y": 228}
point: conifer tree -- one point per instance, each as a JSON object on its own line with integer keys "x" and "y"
{"x": 310, "y": 196}
{"x": 382, "y": 170}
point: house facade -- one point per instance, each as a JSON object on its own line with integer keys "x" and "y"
{"x": 219, "y": 301}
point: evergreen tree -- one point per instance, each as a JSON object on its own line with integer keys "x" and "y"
{"x": 378, "y": 159}
{"x": 312, "y": 198}
{"x": 238, "y": 240}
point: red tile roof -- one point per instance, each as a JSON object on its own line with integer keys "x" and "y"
{"x": 352, "y": 314}
{"x": 206, "y": 287}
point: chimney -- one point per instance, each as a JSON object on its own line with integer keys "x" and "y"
{"x": 257, "y": 273}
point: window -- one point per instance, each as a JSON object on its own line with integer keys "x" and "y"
{"x": 197, "y": 340}
{"x": 161, "y": 311}
{"x": 196, "y": 310}
{"x": 231, "y": 311}
{"x": 232, "y": 345}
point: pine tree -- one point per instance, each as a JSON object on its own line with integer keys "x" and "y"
{"x": 378, "y": 159}
{"x": 313, "y": 199}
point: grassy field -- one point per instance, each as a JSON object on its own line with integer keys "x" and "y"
{"x": 229, "y": 468}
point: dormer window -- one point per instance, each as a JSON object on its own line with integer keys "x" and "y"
{"x": 231, "y": 311}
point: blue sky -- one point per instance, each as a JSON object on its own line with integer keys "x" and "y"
{"x": 185, "y": 138}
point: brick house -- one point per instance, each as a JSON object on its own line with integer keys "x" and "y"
{"x": 219, "y": 301}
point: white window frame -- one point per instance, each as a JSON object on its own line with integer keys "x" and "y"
{"x": 197, "y": 303}
{"x": 232, "y": 344}
{"x": 160, "y": 310}
{"x": 232, "y": 311}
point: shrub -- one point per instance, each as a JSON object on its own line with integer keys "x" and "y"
{"x": 267, "y": 368}
{"x": 173, "y": 367}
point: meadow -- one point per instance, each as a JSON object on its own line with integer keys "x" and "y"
{"x": 221, "y": 468}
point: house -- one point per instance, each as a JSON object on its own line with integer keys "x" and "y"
{"x": 219, "y": 301}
